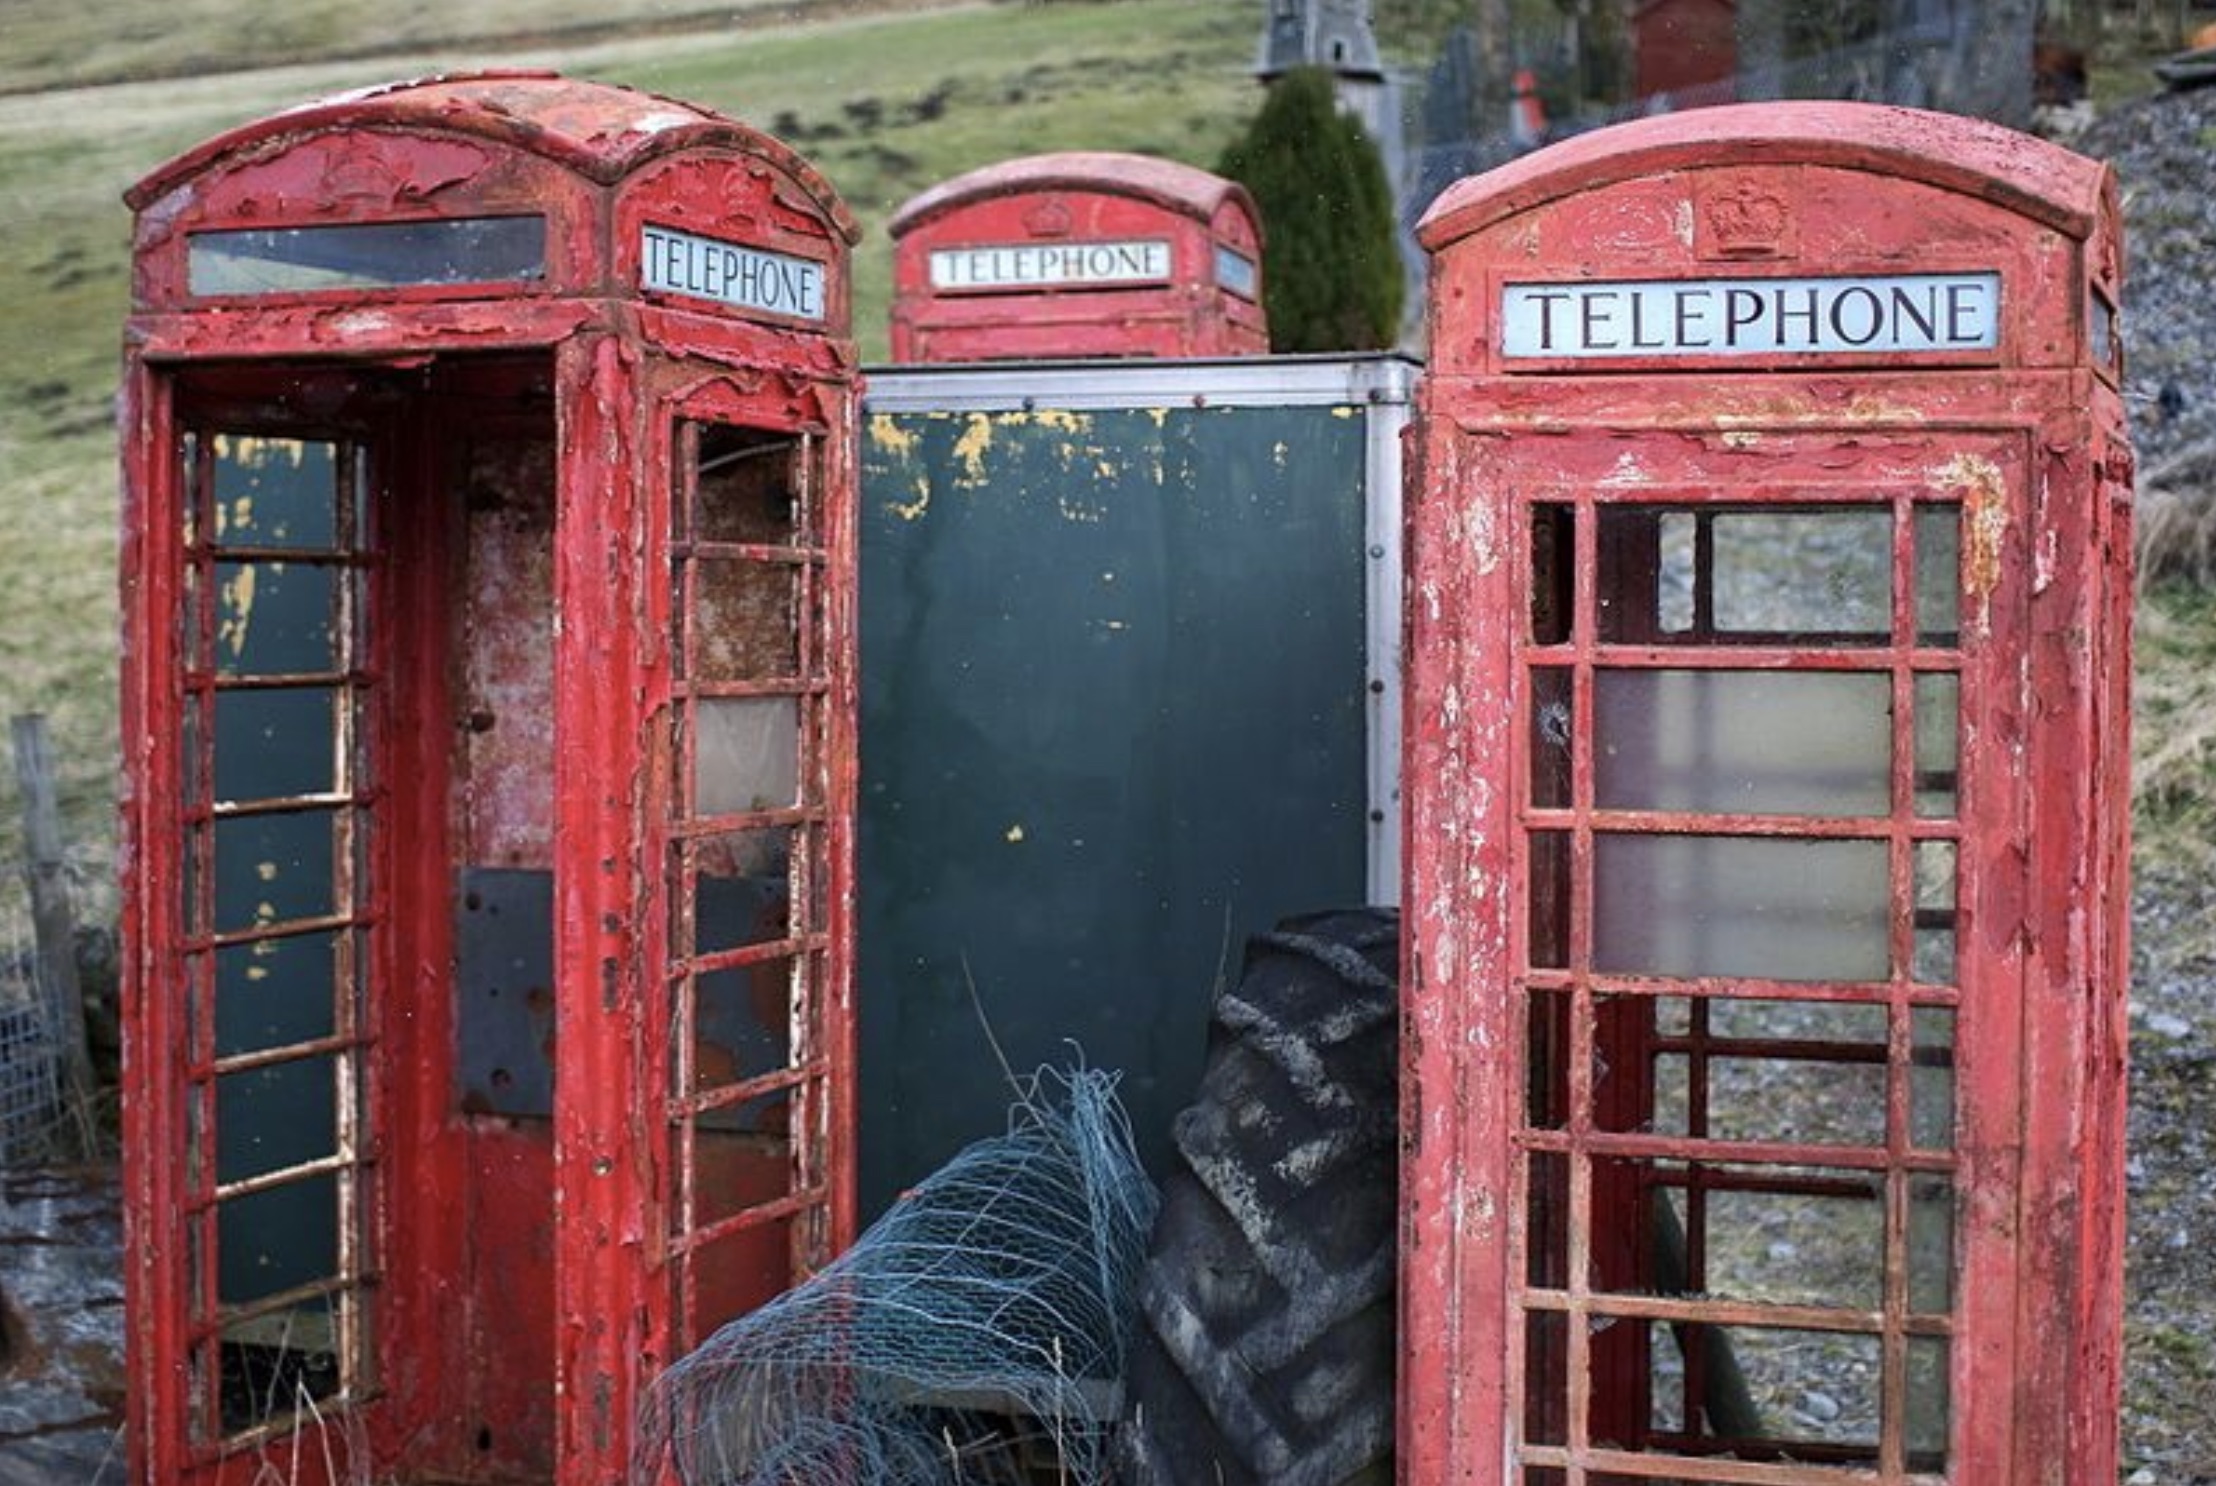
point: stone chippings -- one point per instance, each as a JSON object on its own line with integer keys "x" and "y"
{"x": 2164, "y": 150}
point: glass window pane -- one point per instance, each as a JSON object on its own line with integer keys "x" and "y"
{"x": 1547, "y": 1235}
{"x": 274, "y": 993}
{"x": 1938, "y": 705}
{"x": 274, "y": 744}
{"x": 275, "y": 618}
{"x": 274, "y": 869}
{"x": 1931, "y": 1078}
{"x": 1553, "y": 573}
{"x": 1552, "y": 724}
{"x": 1930, "y": 1403}
{"x": 1743, "y": 742}
{"x": 1938, "y": 574}
{"x": 746, "y": 756}
{"x": 275, "y": 493}
{"x": 1935, "y": 919}
{"x": 1812, "y": 572}
{"x": 276, "y": 1239}
{"x": 367, "y": 255}
{"x": 748, "y": 618}
{"x": 1547, "y": 1066}
{"x": 1818, "y": 576}
{"x": 270, "y": 1118}
{"x": 1546, "y": 1377}
{"x": 1735, "y": 906}
{"x": 1930, "y": 1244}
{"x": 1549, "y": 895}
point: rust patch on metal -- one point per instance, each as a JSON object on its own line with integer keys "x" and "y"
{"x": 1982, "y": 488}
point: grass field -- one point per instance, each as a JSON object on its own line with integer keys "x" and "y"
{"x": 886, "y": 100}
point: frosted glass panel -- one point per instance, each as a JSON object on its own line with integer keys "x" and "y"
{"x": 1743, "y": 742}
{"x": 1734, "y": 906}
{"x": 747, "y": 756}
{"x": 1824, "y": 572}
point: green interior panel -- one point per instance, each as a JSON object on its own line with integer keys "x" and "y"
{"x": 1113, "y": 722}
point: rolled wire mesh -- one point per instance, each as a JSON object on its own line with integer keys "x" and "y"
{"x": 975, "y": 1334}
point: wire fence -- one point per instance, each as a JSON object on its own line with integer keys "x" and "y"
{"x": 44, "y": 1117}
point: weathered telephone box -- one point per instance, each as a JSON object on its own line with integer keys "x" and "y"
{"x": 1767, "y": 783}
{"x": 488, "y": 722}
{"x": 1082, "y": 254}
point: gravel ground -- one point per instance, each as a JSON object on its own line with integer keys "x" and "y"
{"x": 2164, "y": 151}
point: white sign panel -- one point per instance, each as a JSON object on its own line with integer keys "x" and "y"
{"x": 1886, "y": 314}
{"x": 1051, "y": 265}
{"x": 746, "y": 278}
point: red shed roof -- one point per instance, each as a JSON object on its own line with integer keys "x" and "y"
{"x": 2040, "y": 180}
{"x": 1185, "y": 189}
{"x": 600, "y": 131}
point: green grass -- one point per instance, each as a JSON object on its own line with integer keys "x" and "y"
{"x": 886, "y": 102}
{"x": 2174, "y": 731}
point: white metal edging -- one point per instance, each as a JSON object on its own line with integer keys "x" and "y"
{"x": 1386, "y": 601}
{"x": 1230, "y": 382}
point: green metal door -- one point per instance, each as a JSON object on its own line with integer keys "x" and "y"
{"x": 1117, "y": 663}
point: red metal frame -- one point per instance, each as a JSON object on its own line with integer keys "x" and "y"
{"x": 545, "y": 1235}
{"x": 1565, "y": 1073}
{"x": 1053, "y": 204}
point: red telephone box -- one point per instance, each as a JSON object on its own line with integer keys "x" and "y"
{"x": 1770, "y": 603}
{"x": 1083, "y": 254}
{"x": 488, "y": 721}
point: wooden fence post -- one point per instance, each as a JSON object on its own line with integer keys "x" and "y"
{"x": 51, "y": 914}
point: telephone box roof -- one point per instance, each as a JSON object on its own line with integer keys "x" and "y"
{"x": 1185, "y": 189}
{"x": 598, "y": 130}
{"x": 2042, "y": 181}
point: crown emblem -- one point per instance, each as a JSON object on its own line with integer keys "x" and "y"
{"x": 1746, "y": 221}
{"x": 1049, "y": 218}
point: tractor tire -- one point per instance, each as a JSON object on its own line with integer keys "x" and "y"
{"x": 1263, "y": 1353}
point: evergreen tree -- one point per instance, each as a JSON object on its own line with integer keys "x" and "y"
{"x": 1332, "y": 279}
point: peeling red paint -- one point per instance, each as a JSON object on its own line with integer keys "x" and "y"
{"x": 514, "y": 660}
{"x": 1926, "y": 531}
{"x": 974, "y": 276}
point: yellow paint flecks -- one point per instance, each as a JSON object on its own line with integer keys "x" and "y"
{"x": 971, "y": 448}
{"x": 1015, "y": 835}
{"x": 266, "y": 871}
{"x": 1060, "y": 420}
{"x": 1345, "y": 410}
{"x": 1079, "y": 512}
{"x": 886, "y": 432}
{"x": 913, "y": 510}
{"x": 237, "y": 610}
